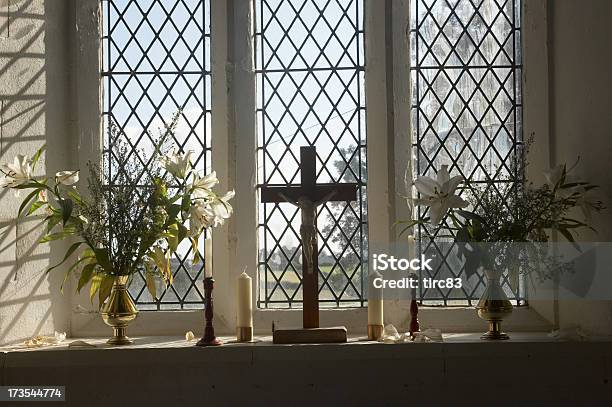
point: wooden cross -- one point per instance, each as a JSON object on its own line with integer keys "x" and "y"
{"x": 308, "y": 196}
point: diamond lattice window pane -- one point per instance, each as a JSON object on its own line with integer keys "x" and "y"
{"x": 310, "y": 85}
{"x": 156, "y": 61}
{"x": 466, "y": 113}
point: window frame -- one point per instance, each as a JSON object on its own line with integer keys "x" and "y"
{"x": 387, "y": 87}
{"x": 246, "y": 159}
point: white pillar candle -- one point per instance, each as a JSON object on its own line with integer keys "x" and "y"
{"x": 208, "y": 258}
{"x": 245, "y": 301}
{"x": 411, "y": 247}
{"x": 375, "y": 302}
{"x": 412, "y": 254}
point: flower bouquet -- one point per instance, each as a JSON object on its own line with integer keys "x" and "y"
{"x": 119, "y": 225}
{"x": 498, "y": 226}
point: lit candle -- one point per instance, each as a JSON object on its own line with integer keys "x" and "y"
{"x": 208, "y": 258}
{"x": 244, "y": 320}
{"x": 375, "y": 309}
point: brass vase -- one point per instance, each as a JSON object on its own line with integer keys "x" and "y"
{"x": 494, "y": 306}
{"x": 119, "y": 311}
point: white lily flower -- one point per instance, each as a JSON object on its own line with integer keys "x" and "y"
{"x": 67, "y": 177}
{"x": 202, "y": 186}
{"x": 178, "y": 164}
{"x": 586, "y": 204}
{"x": 201, "y": 216}
{"x": 554, "y": 175}
{"x": 17, "y": 173}
{"x": 565, "y": 193}
{"x": 204, "y": 215}
{"x": 222, "y": 209}
{"x": 439, "y": 194}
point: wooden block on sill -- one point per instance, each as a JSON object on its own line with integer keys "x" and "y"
{"x": 312, "y": 335}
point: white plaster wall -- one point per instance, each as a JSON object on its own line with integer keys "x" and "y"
{"x": 34, "y": 106}
{"x": 581, "y": 125}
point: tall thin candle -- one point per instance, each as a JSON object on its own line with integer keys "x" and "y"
{"x": 244, "y": 320}
{"x": 208, "y": 258}
{"x": 375, "y": 309}
{"x": 411, "y": 247}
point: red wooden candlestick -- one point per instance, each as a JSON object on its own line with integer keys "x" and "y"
{"x": 414, "y": 317}
{"x": 209, "y": 338}
{"x": 414, "y": 314}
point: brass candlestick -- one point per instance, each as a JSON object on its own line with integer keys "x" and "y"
{"x": 244, "y": 334}
{"x": 209, "y": 338}
{"x": 375, "y": 332}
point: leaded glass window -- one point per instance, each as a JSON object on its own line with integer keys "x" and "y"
{"x": 310, "y": 91}
{"x": 156, "y": 62}
{"x": 466, "y": 107}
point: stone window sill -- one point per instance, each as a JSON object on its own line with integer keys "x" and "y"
{"x": 172, "y": 371}
{"x": 160, "y": 343}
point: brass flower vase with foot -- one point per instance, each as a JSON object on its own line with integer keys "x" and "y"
{"x": 119, "y": 311}
{"x": 494, "y": 307}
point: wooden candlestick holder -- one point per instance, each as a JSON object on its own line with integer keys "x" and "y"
{"x": 414, "y": 317}
{"x": 209, "y": 338}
